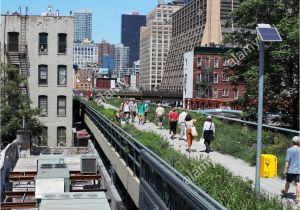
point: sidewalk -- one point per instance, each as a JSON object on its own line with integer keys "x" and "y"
{"x": 238, "y": 167}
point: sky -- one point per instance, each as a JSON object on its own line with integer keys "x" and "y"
{"x": 106, "y": 13}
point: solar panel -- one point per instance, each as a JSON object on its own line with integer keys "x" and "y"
{"x": 269, "y": 34}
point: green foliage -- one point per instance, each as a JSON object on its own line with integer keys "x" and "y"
{"x": 15, "y": 105}
{"x": 233, "y": 139}
{"x": 217, "y": 181}
{"x": 281, "y": 91}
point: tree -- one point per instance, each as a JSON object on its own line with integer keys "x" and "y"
{"x": 15, "y": 105}
{"x": 281, "y": 90}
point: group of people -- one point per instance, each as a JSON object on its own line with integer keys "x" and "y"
{"x": 186, "y": 124}
{"x": 130, "y": 109}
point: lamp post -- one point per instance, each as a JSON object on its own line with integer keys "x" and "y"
{"x": 266, "y": 33}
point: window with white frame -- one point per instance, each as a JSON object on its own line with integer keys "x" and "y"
{"x": 207, "y": 61}
{"x": 225, "y": 92}
{"x": 236, "y": 93}
{"x": 215, "y": 78}
{"x": 215, "y": 93}
{"x": 199, "y": 77}
{"x": 199, "y": 61}
{"x": 225, "y": 77}
{"x": 216, "y": 63}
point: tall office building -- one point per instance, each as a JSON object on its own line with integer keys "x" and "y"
{"x": 198, "y": 23}
{"x": 154, "y": 44}
{"x": 42, "y": 48}
{"x": 121, "y": 60}
{"x": 107, "y": 49}
{"x": 82, "y": 25}
{"x": 130, "y": 34}
{"x": 85, "y": 54}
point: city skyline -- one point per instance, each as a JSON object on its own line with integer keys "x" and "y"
{"x": 104, "y": 15}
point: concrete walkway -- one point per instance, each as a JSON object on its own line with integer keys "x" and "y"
{"x": 238, "y": 167}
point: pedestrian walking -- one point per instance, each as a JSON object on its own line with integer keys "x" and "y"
{"x": 189, "y": 124}
{"x": 292, "y": 168}
{"x": 159, "y": 114}
{"x": 173, "y": 119}
{"x": 141, "y": 112}
{"x": 146, "y": 106}
{"x": 126, "y": 111}
{"x": 208, "y": 133}
{"x": 181, "y": 124}
{"x": 133, "y": 109}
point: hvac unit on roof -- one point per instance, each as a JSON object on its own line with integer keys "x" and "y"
{"x": 88, "y": 163}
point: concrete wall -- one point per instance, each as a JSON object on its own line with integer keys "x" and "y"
{"x": 9, "y": 158}
{"x": 51, "y": 25}
{"x": 126, "y": 175}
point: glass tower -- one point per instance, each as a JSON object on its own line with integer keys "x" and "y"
{"x": 82, "y": 26}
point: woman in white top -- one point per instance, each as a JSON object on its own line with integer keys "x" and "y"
{"x": 208, "y": 132}
{"x": 189, "y": 123}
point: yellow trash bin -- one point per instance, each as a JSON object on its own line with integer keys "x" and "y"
{"x": 268, "y": 166}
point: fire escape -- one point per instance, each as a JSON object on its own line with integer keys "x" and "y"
{"x": 203, "y": 87}
{"x": 18, "y": 55}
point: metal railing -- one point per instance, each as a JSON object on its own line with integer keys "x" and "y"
{"x": 131, "y": 151}
{"x": 252, "y": 124}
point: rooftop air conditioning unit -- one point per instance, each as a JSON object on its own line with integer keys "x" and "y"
{"x": 88, "y": 163}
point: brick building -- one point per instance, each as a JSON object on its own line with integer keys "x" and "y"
{"x": 206, "y": 79}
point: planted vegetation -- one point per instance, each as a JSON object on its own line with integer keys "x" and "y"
{"x": 231, "y": 191}
{"x": 234, "y": 139}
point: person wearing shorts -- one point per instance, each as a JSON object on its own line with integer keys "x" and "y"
{"x": 141, "y": 112}
{"x": 160, "y": 111}
{"x": 292, "y": 168}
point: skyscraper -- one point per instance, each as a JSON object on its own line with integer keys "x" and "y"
{"x": 82, "y": 25}
{"x": 121, "y": 59}
{"x": 154, "y": 44}
{"x": 130, "y": 34}
{"x": 105, "y": 49}
{"x": 198, "y": 23}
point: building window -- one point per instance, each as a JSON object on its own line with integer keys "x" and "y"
{"x": 199, "y": 77}
{"x": 62, "y": 75}
{"x": 61, "y": 105}
{"x": 215, "y": 94}
{"x": 207, "y": 61}
{"x": 43, "y": 42}
{"x": 225, "y": 92}
{"x": 43, "y": 75}
{"x": 43, "y": 138}
{"x": 215, "y": 78}
{"x": 216, "y": 63}
{"x": 61, "y": 136}
{"x": 43, "y": 105}
{"x": 199, "y": 62}
{"x": 225, "y": 77}
{"x": 62, "y": 43}
{"x": 236, "y": 93}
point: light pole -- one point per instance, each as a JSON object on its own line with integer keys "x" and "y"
{"x": 266, "y": 33}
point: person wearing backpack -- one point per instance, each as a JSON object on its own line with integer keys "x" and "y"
{"x": 208, "y": 133}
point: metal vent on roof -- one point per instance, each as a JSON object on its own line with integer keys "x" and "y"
{"x": 60, "y": 165}
{"x": 78, "y": 195}
{"x": 47, "y": 166}
{"x": 49, "y": 196}
{"x": 65, "y": 196}
{"x": 92, "y": 195}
